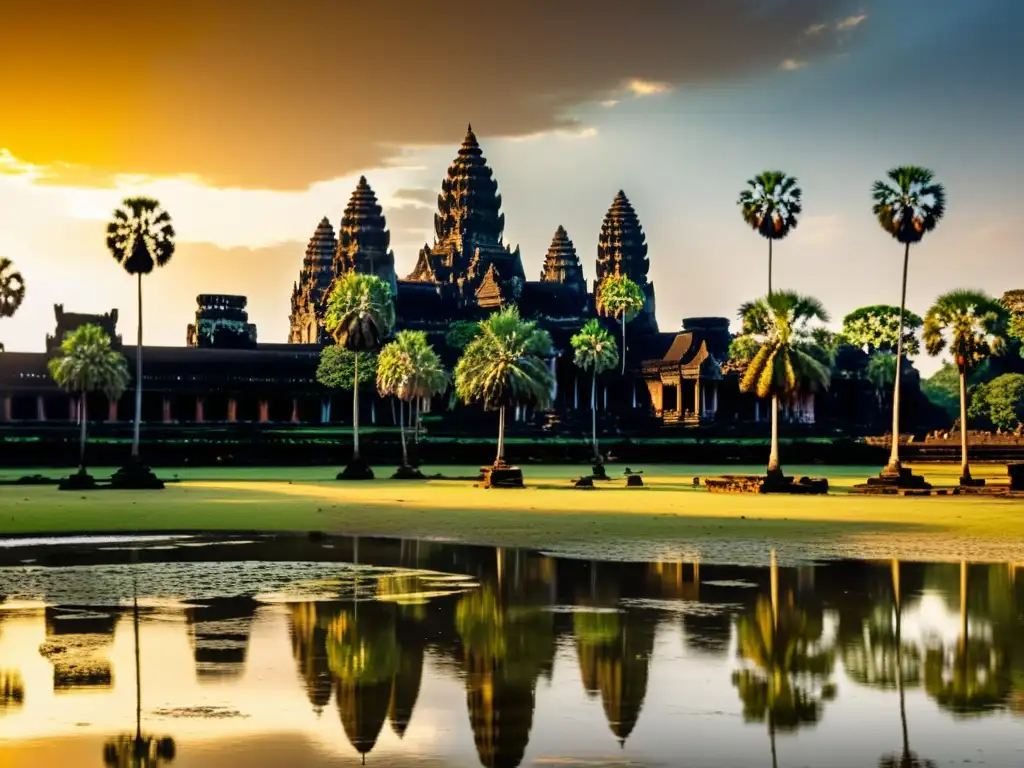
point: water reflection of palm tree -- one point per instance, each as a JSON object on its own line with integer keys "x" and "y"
{"x": 970, "y": 679}
{"x": 787, "y": 680}
{"x": 138, "y": 750}
{"x": 904, "y": 675}
{"x": 506, "y": 646}
{"x": 12, "y": 691}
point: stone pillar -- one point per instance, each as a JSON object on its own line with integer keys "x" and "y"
{"x": 604, "y": 398}
{"x": 757, "y": 409}
{"x": 40, "y": 408}
{"x": 167, "y": 410}
{"x": 199, "y": 410}
{"x": 325, "y": 410}
{"x": 696, "y": 398}
{"x": 633, "y": 387}
{"x": 5, "y": 411}
{"x": 295, "y": 410}
{"x": 232, "y": 410}
{"x": 575, "y": 392}
{"x": 714, "y": 399}
{"x": 111, "y": 410}
{"x": 264, "y": 411}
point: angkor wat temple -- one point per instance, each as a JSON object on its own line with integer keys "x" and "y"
{"x": 223, "y": 375}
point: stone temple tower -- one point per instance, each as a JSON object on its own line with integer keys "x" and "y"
{"x": 308, "y": 293}
{"x": 468, "y": 260}
{"x": 364, "y": 240}
{"x": 622, "y": 250}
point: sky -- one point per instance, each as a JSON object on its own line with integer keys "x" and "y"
{"x": 250, "y": 128}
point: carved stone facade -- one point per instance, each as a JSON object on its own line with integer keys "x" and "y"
{"x": 622, "y": 251}
{"x": 70, "y": 321}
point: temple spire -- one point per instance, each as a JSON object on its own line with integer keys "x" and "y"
{"x": 561, "y": 264}
{"x": 363, "y": 238}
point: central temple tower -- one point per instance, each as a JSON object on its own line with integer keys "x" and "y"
{"x": 468, "y": 260}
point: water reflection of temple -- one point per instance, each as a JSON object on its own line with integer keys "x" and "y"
{"x": 219, "y": 632}
{"x": 77, "y": 640}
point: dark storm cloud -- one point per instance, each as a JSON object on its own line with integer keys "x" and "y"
{"x": 279, "y": 95}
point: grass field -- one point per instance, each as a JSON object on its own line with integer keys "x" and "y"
{"x": 667, "y": 516}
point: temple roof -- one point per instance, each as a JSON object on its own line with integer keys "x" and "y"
{"x": 561, "y": 264}
{"x": 622, "y": 246}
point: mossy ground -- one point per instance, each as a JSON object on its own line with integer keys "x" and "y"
{"x": 668, "y": 516}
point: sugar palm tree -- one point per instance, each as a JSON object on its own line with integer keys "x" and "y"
{"x": 907, "y": 206}
{"x": 12, "y": 290}
{"x": 782, "y": 368}
{"x": 394, "y": 368}
{"x": 973, "y": 326}
{"x": 88, "y": 364}
{"x": 770, "y": 205}
{"x": 505, "y": 366}
{"x": 621, "y": 298}
{"x": 428, "y": 377}
{"x": 360, "y": 315}
{"x": 595, "y": 352}
{"x": 140, "y": 237}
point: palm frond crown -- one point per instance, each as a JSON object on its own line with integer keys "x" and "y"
{"x": 910, "y": 204}
{"x": 506, "y": 364}
{"x": 780, "y": 324}
{"x": 360, "y": 311}
{"x": 87, "y": 363}
{"x": 141, "y": 235}
{"x": 618, "y": 294}
{"x": 771, "y": 204}
{"x": 595, "y": 348}
{"x": 971, "y": 324}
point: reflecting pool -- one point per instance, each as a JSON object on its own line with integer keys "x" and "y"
{"x": 293, "y": 651}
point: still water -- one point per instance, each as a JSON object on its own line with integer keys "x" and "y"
{"x": 331, "y": 652}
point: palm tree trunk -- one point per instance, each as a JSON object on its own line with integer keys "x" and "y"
{"x": 769, "y": 266}
{"x": 623, "y": 342}
{"x": 893, "y": 468}
{"x": 771, "y": 736}
{"x": 82, "y": 415}
{"x": 416, "y": 422}
{"x": 899, "y": 659}
{"x": 401, "y": 429}
{"x": 593, "y": 415}
{"x": 138, "y": 655}
{"x": 965, "y": 469}
{"x": 138, "y": 379}
{"x": 355, "y": 408}
{"x": 501, "y": 436}
{"x": 773, "y": 458}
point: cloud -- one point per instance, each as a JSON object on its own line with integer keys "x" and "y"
{"x": 609, "y": 103}
{"x": 791, "y": 65}
{"x": 410, "y": 223}
{"x": 815, "y": 29}
{"x": 647, "y": 87}
{"x": 258, "y": 102}
{"x": 851, "y": 22}
{"x": 426, "y": 197}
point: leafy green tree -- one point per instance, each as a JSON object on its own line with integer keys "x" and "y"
{"x": 907, "y": 206}
{"x": 972, "y": 325}
{"x": 770, "y": 205}
{"x": 785, "y": 679}
{"x": 595, "y": 352}
{"x": 360, "y": 316}
{"x": 877, "y": 328}
{"x": 999, "y": 402}
{"x": 942, "y": 389}
{"x": 87, "y": 363}
{"x": 621, "y": 298}
{"x": 782, "y": 367}
{"x": 505, "y": 366}
{"x": 394, "y": 368}
{"x": 461, "y": 333}
{"x": 12, "y": 290}
{"x": 881, "y": 373}
{"x": 1014, "y": 303}
{"x": 429, "y": 378}
{"x": 337, "y": 367}
{"x": 140, "y": 237}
